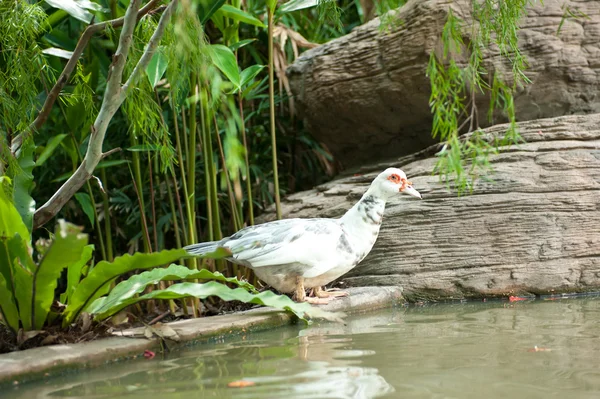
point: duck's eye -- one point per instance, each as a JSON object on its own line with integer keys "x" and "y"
{"x": 394, "y": 178}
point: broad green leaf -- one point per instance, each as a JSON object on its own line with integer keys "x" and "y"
{"x": 13, "y": 251}
{"x": 157, "y": 66}
{"x": 225, "y": 60}
{"x": 58, "y": 52}
{"x": 49, "y": 149}
{"x": 294, "y": 5}
{"x": 76, "y": 116}
{"x": 136, "y": 284}
{"x": 213, "y": 288}
{"x": 72, "y": 150}
{"x": 8, "y": 308}
{"x": 74, "y": 272}
{"x": 206, "y": 9}
{"x": 240, "y": 44}
{"x": 90, "y": 5}
{"x": 22, "y": 268}
{"x": 105, "y": 272}
{"x": 73, "y": 8}
{"x": 66, "y": 249}
{"x": 86, "y": 204}
{"x": 239, "y": 15}
{"x": 6, "y": 263}
{"x": 11, "y": 222}
{"x": 250, "y": 73}
{"x": 23, "y": 184}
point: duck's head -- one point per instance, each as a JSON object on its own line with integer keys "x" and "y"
{"x": 392, "y": 181}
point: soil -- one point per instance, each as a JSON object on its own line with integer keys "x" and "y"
{"x": 56, "y": 335}
{"x": 50, "y": 336}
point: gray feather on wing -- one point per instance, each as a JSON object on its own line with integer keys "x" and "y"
{"x": 275, "y": 242}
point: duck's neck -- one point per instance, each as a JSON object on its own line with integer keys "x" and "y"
{"x": 365, "y": 217}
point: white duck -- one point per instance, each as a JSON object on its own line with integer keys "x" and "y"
{"x": 294, "y": 254}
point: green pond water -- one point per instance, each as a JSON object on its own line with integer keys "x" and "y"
{"x": 466, "y": 350}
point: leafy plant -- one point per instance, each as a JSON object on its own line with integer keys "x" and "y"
{"x": 27, "y": 287}
{"x": 454, "y": 88}
{"x": 126, "y": 292}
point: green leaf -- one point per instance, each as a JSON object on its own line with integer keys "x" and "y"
{"x": 58, "y": 52}
{"x": 8, "y": 308}
{"x": 240, "y": 44}
{"x": 66, "y": 249}
{"x": 239, "y": 15}
{"x": 225, "y": 60}
{"x": 105, "y": 272}
{"x": 295, "y": 5}
{"x": 114, "y": 162}
{"x": 22, "y": 269}
{"x": 157, "y": 66}
{"x": 213, "y": 288}
{"x": 206, "y": 9}
{"x": 114, "y": 302}
{"x": 23, "y": 184}
{"x": 250, "y": 73}
{"x": 15, "y": 281}
{"x": 74, "y": 273}
{"x": 76, "y": 115}
{"x": 271, "y": 5}
{"x": 144, "y": 148}
{"x": 71, "y": 150}
{"x": 11, "y": 222}
{"x": 49, "y": 149}
{"x": 86, "y": 204}
{"x": 73, "y": 8}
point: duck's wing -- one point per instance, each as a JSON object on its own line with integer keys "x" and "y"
{"x": 307, "y": 242}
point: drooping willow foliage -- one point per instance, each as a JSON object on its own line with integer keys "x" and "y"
{"x": 456, "y": 86}
{"x": 194, "y": 133}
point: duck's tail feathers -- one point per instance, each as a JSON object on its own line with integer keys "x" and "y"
{"x": 202, "y": 248}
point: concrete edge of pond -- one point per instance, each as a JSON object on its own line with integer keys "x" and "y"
{"x": 22, "y": 366}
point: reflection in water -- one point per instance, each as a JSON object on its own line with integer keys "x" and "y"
{"x": 468, "y": 350}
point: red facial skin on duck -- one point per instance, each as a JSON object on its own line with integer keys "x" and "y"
{"x": 394, "y": 178}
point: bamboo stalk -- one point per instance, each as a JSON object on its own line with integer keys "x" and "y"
{"x": 182, "y": 169}
{"x": 248, "y": 180}
{"x": 271, "y": 10}
{"x": 145, "y": 234}
{"x": 107, "y": 218}
{"x": 236, "y": 218}
{"x": 137, "y": 183}
{"x": 153, "y": 203}
{"x": 207, "y": 170}
{"x": 98, "y": 227}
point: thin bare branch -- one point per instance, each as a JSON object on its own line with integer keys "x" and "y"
{"x": 113, "y": 98}
{"x": 64, "y": 77}
{"x": 110, "y": 152}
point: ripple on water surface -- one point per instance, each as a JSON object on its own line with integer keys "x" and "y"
{"x": 534, "y": 349}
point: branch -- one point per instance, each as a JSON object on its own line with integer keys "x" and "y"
{"x": 113, "y": 98}
{"x": 64, "y": 77}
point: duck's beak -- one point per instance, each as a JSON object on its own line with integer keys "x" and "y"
{"x": 408, "y": 189}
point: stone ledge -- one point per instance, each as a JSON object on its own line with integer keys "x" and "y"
{"x": 39, "y": 362}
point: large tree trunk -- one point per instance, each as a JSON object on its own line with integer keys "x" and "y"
{"x": 366, "y": 96}
{"x": 534, "y": 229}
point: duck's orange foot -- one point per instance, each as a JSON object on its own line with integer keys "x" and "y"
{"x": 317, "y": 301}
{"x": 319, "y": 292}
